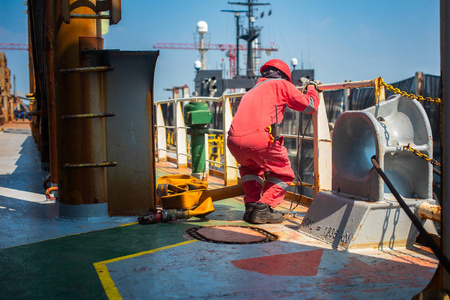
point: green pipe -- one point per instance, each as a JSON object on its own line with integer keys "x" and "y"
{"x": 198, "y": 152}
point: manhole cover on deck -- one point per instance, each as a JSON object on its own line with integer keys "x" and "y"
{"x": 231, "y": 234}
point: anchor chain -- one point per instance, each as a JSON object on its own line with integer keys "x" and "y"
{"x": 410, "y": 96}
{"x": 422, "y": 155}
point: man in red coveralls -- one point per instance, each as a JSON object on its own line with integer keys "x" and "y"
{"x": 253, "y": 141}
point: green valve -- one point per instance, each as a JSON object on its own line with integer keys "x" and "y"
{"x": 197, "y": 116}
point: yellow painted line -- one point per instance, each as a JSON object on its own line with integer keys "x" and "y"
{"x": 107, "y": 282}
{"x": 128, "y": 224}
{"x": 102, "y": 271}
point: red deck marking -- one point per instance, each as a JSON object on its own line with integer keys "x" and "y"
{"x": 403, "y": 270}
{"x": 305, "y": 263}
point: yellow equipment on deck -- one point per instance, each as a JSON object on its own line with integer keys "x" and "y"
{"x": 188, "y": 192}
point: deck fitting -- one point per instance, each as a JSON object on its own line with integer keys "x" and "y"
{"x": 231, "y": 234}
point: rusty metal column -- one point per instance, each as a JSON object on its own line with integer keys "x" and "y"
{"x": 80, "y": 136}
{"x": 48, "y": 73}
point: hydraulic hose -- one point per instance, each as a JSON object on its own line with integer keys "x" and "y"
{"x": 437, "y": 251}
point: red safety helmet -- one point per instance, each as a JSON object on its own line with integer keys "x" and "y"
{"x": 278, "y": 64}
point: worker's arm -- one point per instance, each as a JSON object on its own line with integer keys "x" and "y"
{"x": 306, "y": 103}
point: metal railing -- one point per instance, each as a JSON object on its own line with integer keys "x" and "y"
{"x": 321, "y": 134}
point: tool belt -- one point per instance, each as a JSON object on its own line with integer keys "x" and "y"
{"x": 183, "y": 192}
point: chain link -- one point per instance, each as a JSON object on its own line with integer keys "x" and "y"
{"x": 422, "y": 156}
{"x": 410, "y": 96}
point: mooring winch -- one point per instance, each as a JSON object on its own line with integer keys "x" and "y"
{"x": 360, "y": 211}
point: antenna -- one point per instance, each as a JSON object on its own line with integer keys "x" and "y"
{"x": 238, "y": 33}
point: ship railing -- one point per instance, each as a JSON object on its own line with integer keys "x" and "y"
{"x": 179, "y": 150}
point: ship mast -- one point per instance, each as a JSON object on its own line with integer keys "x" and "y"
{"x": 252, "y": 33}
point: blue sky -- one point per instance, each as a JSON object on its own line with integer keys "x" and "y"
{"x": 347, "y": 39}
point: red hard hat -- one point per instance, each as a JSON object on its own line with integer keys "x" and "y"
{"x": 278, "y": 64}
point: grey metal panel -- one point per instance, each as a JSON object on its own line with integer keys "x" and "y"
{"x": 130, "y": 137}
{"x": 348, "y": 222}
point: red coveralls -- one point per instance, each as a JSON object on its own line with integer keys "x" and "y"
{"x": 248, "y": 138}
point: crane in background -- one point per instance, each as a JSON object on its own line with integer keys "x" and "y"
{"x": 230, "y": 48}
{"x": 10, "y": 46}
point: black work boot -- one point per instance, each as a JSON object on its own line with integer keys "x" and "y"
{"x": 263, "y": 213}
{"x": 248, "y": 210}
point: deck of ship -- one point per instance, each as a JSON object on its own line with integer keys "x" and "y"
{"x": 44, "y": 258}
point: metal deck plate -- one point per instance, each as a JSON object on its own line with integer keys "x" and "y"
{"x": 231, "y": 234}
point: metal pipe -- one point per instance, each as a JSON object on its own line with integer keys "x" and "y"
{"x": 89, "y": 16}
{"x": 345, "y": 85}
{"x": 88, "y": 116}
{"x": 429, "y": 211}
{"x": 87, "y": 69}
{"x": 202, "y": 50}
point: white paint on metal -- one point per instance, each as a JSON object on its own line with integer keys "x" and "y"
{"x": 230, "y": 170}
{"x": 161, "y": 134}
{"x": 322, "y": 149}
{"x": 360, "y": 212}
{"x": 180, "y": 135}
{"x": 349, "y": 222}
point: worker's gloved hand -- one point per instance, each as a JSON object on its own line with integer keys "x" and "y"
{"x": 314, "y": 83}
{"x": 303, "y": 81}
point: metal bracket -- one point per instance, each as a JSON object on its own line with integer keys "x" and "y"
{"x": 91, "y": 165}
{"x": 87, "y": 69}
{"x": 88, "y": 116}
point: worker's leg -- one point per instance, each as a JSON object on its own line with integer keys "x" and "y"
{"x": 280, "y": 177}
{"x": 252, "y": 177}
{"x": 251, "y": 170}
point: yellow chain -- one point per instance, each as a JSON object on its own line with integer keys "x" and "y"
{"x": 410, "y": 96}
{"x": 422, "y": 156}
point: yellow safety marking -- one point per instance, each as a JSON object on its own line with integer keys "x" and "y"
{"x": 107, "y": 282}
{"x": 103, "y": 273}
{"x": 128, "y": 224}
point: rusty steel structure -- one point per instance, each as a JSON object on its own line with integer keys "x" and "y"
{"x": 78, "y": 141}
{"x": 69, "y": 98}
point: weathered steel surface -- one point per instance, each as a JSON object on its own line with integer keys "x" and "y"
{"x": 131, "y": 185}
{"x": 430, "y": 211}
{"x": 349, "y": 222}
{"x": 383, "y": 130}
{"x": 78, "y": 141}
